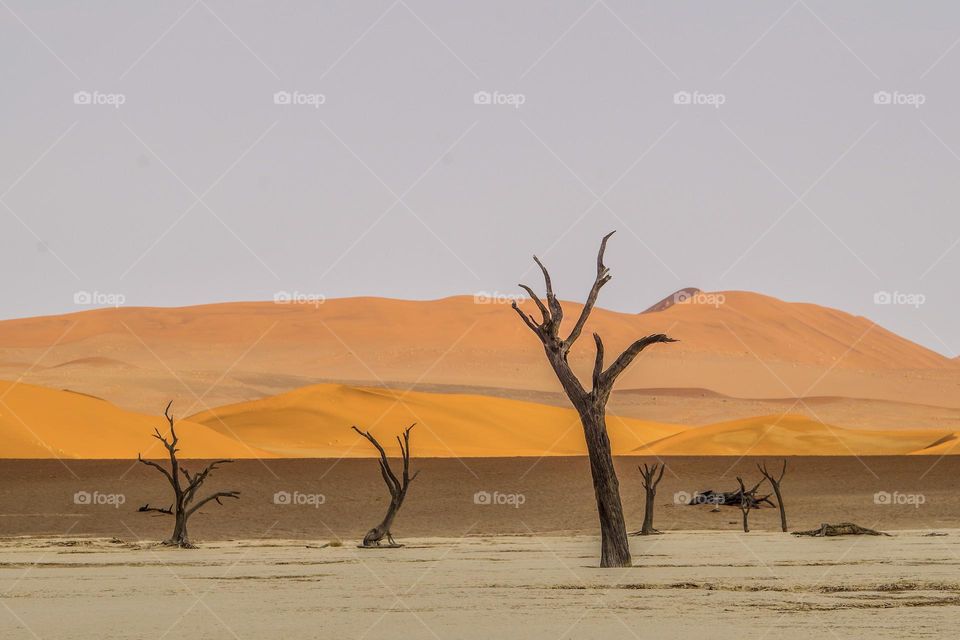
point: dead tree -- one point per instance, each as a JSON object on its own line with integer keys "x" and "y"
{"x": 775, "y": 483}
{"x": 397, "y": 487}
{"x": 748, "y": 501}
{"x": 185, "y": 502}
{"x": 650, "y": 483}
{"x": 590, "y": 405}
{"x": 842, "y": 529}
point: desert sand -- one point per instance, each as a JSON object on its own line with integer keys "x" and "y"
{"x": 38, "y": 496}
{"x": 45, "y": 423}
{"x": 315, "y": 422}
{"x": 750, "y": 346}
{"x": 686, "y": 586}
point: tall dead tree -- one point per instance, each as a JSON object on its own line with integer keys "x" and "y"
{"x": 650, "y": 481}
{"x": 396, "y": 486}
{"x": 591, "y": 405}
{"x": 185, "y": 502}
{"x": 748, "y": 501}
{"x": 775, "y": 483}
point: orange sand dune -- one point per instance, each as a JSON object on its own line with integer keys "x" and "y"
{"x": 45, "y": 423}
{"x": 792, "y": 435}
{"x": 946, "y": 445}
{"x": 315, "y": 422}
{"x": 740, "y": 344}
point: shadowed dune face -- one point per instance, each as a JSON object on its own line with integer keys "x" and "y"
{"x": 45, "y": 423}
{"x": 314, "y": 422}
{"x": 784, "y": 435}
{"x": 739, "y": 344}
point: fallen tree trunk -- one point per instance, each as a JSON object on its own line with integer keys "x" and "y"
{"x": 842, "y": 529}
{"x": 729, "y": 498}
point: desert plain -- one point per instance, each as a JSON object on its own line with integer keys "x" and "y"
{"x": 500, "y": 527}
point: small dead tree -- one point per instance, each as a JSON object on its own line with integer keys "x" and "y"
{"x": 748, "y": 501}
{"x": 775, "y": 483}
{"x": 396, "y": 486}
{"x": 185, "y": 502}
{"x": 650, "y": 481}
{"x": 590, "y": 405}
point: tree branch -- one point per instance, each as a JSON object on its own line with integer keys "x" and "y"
{"x": 603, "y": 277}
{"x": 556, "y": 311}
{"x": 216, "y": 496}
{"x": 536, "y": 299}
{"x": 527, "y": 319}
{"x": 620, "y": 364}
{"x": 147, "y": 507}
{"x": 598, "y": 363}
{"x": 151, "y": 463}
{"x": 389, "y": 477}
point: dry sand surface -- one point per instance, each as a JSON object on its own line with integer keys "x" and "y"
{"x": 687, "y": 586}
{"x": 37, "y": 497}
{"x": 751, "y": 346}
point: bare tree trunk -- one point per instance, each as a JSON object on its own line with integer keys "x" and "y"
{"x": 183, "y": 506}
{"x": 747, "y": 501}
{"x": 180, "y": 537}
{"x": 396, "y": 486}
{"x": 614, "y": 546}
{"x": 650, "y": 481}
{"x": 382, "y": 530}
{"x": 775, "y": 483}
{"x": 590, "y": 405}
{"x": 783, "y": 515}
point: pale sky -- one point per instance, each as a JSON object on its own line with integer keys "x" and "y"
{"x": 185, "y": 183}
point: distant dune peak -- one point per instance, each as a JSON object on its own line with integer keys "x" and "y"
{"x": 678, "y": 296}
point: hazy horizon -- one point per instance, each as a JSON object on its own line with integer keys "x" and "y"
{"x": 200, "y": 152}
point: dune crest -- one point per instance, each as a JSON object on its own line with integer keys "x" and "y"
{"x": 45, "y": 423}
{"x": 739, "y": 344}
{"x": 315, "y": 422}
